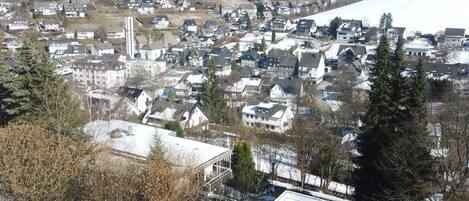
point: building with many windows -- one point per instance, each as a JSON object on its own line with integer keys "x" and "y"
{"x": 271, "y": 116}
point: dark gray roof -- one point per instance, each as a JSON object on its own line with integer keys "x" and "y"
{"x": 288, "y": 61}
{"x": 304, "y": 25}
{"x": 210, "y": 24}
{"x": 189, "y": 22}
{"x": 268, "y": 111}
{"x": 310, "y": 60}
{"x": 448, "y": 69}
{"x": 399, "y": 30}
{"x": 129, "y": 92}
{"x": 455, "y": 32}
{"x": 104, "y": 62}
{"x": 251, "y": 54}
{"x": 277, "y": 53}
{"x": 160, "y": 18}
{"x": 288, "y": 85}
{"x": 356, "y": 49}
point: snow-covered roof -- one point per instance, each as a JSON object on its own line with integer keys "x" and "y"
{"x": 419, "y": 43}
{"x": 239, "y": 86}
{"x": 199, "y": 78}
{"x": 138, "y": 140}
{"x": 294, "y": 196}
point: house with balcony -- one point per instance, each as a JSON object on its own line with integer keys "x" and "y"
{"x": 349, "y": 30}
{"x": 131, "y": 141}
{"x": 273, "y": 117}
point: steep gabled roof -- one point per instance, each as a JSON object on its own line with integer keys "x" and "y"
{"x": 310, "y": 60}
{"x": 129, "y": 92}
{"x": 455, "y": 32}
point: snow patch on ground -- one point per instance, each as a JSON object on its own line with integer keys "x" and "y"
{"x": 427, "y": 16}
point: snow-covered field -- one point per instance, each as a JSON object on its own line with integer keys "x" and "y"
{"x": 427, "y": 16}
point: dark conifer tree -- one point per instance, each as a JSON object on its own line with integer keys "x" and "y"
{"x": 375, "y": 136}
{"x": 212, "y": 97}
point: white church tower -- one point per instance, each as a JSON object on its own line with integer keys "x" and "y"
{"x": 129, "y": 37}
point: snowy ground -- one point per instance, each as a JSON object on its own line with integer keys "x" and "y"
{"x": 458, "y": 57}
{"x": 427, "y": 16}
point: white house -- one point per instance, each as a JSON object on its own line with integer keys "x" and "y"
{"x": 135, "y": 141}
{"x": 349, "y": 30}
{"x": 54, "y": 46}
{"x": 50, "y": 25}
{"x": 82, "y": 34}
{"x": 115, "y": 32}
{"x": 393, "y": 33}
{"x": 12, "y": 43}
{"x": 190, "y": 25}
{"x": 248, "y": 9}
{"x": 271, "y": 116}
{"x": 246, "y": 86}
{"x": 100, "y": 49}
{"x": 189, "y": 84}
{"x": 190, "y": 116}
{"x": 146, "y": 8}
{"x": 106, "y": 71}
{"x": 139, "y": 100}
{"x": 286, "y": 90}
{"x": 419, "y": 47}
{"x": 453, "y": 37}
{"x": 161, "y": 21}
{"x": 74, "y": 10}
{"x": 18, "y": 24}
{"x": 45, "y": 8}
{"x": 312, "y": 66}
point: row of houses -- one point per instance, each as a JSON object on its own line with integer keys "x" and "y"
{"x": 69, "y": 9}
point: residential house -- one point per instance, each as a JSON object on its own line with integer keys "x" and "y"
{"x": 286, "y": 90}
{"x": 131, "y": 141}
{"x": 282, "y": 8}
{"x": 270, "y": 116}
{"x": 45, "y": 8}
{"x": 189, "y": 25}
{"x": 84, "y": 33}
{"x": 12, "y": 43}
{"x": 250, "y": 58}
{"x": 351, "y": 56}
{"x": 274, "y": 56}
{"x": 453, "y": 37}
{"x": 245, "y": 87}
{"x": 287, "y": 67}
{"x": 55, "y": 46}
{"x": 137, "y": 98}
{"x": 248, "y": 9}
{"x": 267, "y": 3}
{"x": 312, "y": 66}
{"x": 146, "y": 8}
{"x": 419, "y": 47}
{"x": 105, "y": 71}
{"x": 72, "y": 50}
{"x": 189, "y": 115}
{"x": 74, "y": 10}
{"x": 305, "y": 27}
{"x": 349, "y": 30}
{"x": 280, "y": 24}
{"x": 161, "y": 21}
{"x": 17, "y": 23}
{"x": 50, "y": 26}
{"x": 99, "y": 49}
{"x": 295, "y": 8}
{"x": 131, "y": 3}
{"x": 196, "y": 57}
{"x": 115, "y": 32}
{"x": 189, "y": 85}
{"x": 222, "y": 58}
{"x": 165, "y": 4}
{"x": 438, "y": 71}
{"x": 211, "y": 25}
{"x": 393, "y": 33}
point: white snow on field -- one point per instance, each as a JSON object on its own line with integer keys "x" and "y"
{"x": 458, "y": 57}
{"x": 427, "y": 16}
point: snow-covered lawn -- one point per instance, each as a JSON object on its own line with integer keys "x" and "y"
{"x": 428, "y": 16}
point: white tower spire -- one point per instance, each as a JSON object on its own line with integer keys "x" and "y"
{"x": 129, "y": 37}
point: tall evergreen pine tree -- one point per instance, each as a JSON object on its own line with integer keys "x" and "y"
{"x": 212, "y": 97}
{"x": 375, "y": 136}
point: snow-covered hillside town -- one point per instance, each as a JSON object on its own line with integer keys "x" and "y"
{"x": 271, "y": 100}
